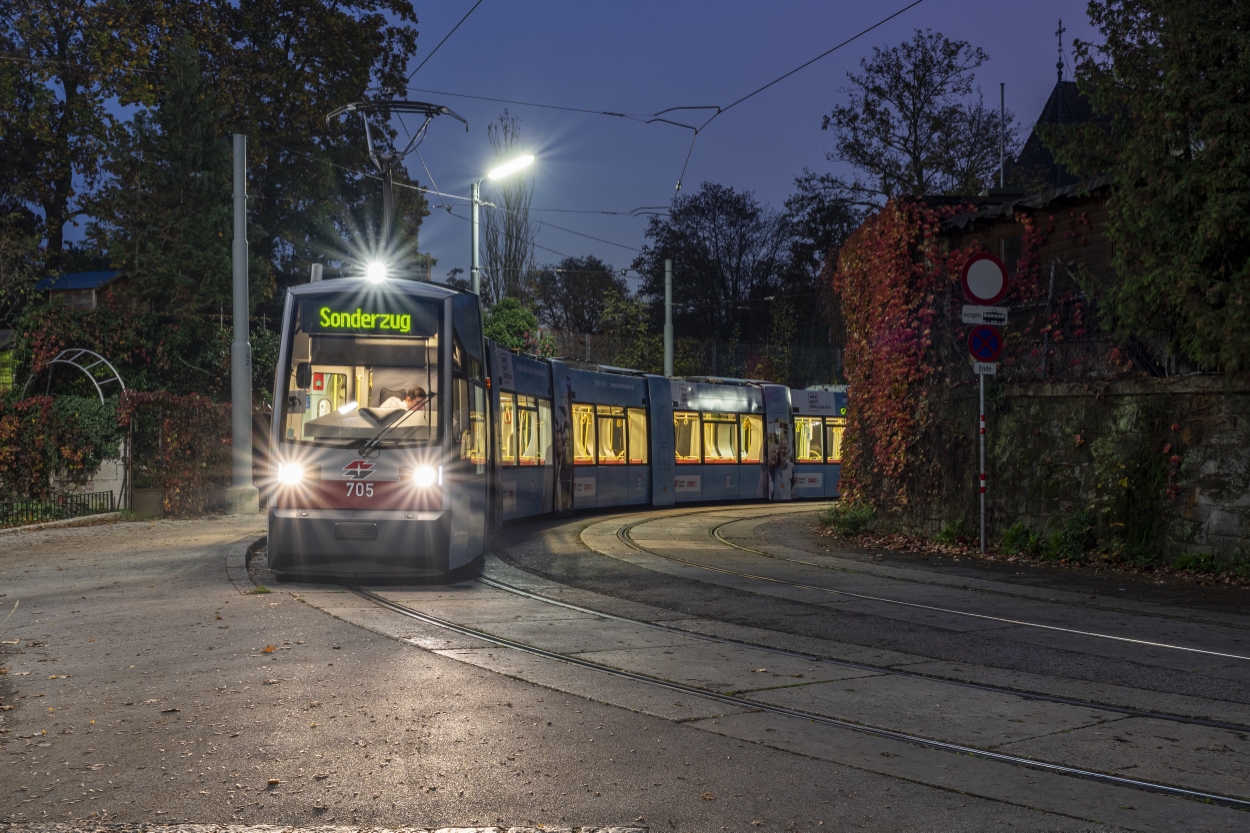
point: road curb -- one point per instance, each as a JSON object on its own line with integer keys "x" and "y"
{"x": 237, "y": 557}
{"x": 86, "y": 520}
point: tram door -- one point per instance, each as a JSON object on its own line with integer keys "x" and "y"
{"x": 465, "y": 473}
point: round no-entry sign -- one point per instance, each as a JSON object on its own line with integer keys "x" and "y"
{"x": 985, "y": 343}
{"x": 984, "y": 279}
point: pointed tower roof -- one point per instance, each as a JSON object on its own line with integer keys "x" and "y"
{"x": 1036, "y": 168}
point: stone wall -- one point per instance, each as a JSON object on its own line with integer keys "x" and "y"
{"x": 1161, "y": 464}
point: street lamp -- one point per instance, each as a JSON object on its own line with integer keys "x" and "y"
{"x": 503, "y": 170}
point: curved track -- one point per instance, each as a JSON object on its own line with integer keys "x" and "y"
{"x": 976, "y": 687}
{"x": 624, "y": 534}
{"x": 1042, "y": 766}
{"x": 877, "y": 669}
{"x": 716, "y": 532}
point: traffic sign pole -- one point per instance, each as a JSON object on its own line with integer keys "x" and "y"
{"x": 982, "y": 378}
{"x": 984, "y": 280}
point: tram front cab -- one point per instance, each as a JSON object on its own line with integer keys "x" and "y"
{"x": 379, "y": 438}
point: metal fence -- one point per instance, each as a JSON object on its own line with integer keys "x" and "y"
{"x": 60, "y": 507}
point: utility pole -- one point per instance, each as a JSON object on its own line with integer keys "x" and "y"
{"x": 475, "y": 272}
{"x": 1002, "y": 135}
{"x": 242, "y": 498}
{"x": 668, "y": 318}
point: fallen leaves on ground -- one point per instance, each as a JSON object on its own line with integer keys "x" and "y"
{"x": 269, "y": 649}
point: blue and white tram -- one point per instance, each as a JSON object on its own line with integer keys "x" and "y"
{"x": 402, "y": 437}
{"x": 380, "y": 434}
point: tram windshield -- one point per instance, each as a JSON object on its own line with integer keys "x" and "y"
{"x": 358, "y": 364}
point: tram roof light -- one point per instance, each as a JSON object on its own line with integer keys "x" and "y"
{"x": 349, "y": 407}
{"x": 376, "y": 271}
{"x": 511, "y": 166}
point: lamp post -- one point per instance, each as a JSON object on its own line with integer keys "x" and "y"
{"x": 475, "y": 271}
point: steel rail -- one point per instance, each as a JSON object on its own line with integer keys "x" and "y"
{"x": 916, "y": 740}
{"x": 864, "y": 666}
{"x": 627, "y": 539}
{"x": 715, "y": 532}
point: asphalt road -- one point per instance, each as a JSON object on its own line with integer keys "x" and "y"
{"x": 141, "y": 689}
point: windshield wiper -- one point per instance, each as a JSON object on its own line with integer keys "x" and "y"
{"x": 376, "y": 440}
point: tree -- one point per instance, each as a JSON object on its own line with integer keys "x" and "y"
{"x": 20, "y": 258}
{"x": 278, "y": 67}
{"x": 282, "y": 66}
{"x": 571, "y": 296}
{"x": 1168, "y": 86}
{"x": 64, "y": 60}
{"x": 164, "y": 214}
{"x": 511, "y": 324}
{"x": 624, "y": 321}
{"x": 821, "y": 219}
{"x": 913, "y": 125}
{"x": 507, "y": 234}
{"x": 727, "y": 249}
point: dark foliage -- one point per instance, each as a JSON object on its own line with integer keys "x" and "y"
{"x": 1169, "y": 85}
{"x": 728, "y": 252}
{"x": 915, "y": 123}
{"x": 572, "y": 295}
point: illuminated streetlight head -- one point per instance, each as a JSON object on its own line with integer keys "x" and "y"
{"x": 375, "y": 271}
{"x": 511, "y": 167}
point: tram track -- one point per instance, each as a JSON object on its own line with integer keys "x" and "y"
{"x": 878, "y": 669}
{"x": 784, "y": 711}
{"x": 715, "y": 532}
{"x": 623, "y": 534}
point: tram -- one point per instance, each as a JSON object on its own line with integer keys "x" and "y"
{"x": 402, "y": 438}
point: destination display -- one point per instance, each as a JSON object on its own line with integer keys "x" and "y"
{"x": 381, "y": 316}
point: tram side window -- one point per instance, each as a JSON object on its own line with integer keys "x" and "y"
{"x": 507, "y": 430}
{"x": 468, "y": 406}
{"x": 808, "y": 443}
{"x": 477, "y": 415}
{"x": 544, "y": 431}
{"x": 686, "y": 437}
{"x": 752, "y": 437}
{"x": 720, "y": 438}
{"x": 611, "y": 435}
{"x": 527, "y": 431}
{"x": 638, "y": 436}
{"x": 583, "y": 435}
{"x": 835, "y": 428}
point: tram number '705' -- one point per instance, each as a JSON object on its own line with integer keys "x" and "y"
{"x": 359, "y": 489}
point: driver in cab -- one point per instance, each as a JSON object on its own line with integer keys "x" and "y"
{"x": 415, "y": 399}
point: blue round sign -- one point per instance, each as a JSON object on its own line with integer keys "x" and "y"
{"x": 985, "y": 343}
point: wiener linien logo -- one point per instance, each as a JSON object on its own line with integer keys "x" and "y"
{"x": 359, "y": 469}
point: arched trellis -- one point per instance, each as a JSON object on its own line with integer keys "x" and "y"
{"x": 85, "y": 360}
{"x": 74, "y": 358}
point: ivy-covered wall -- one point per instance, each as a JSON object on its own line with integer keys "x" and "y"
{"x": 1160, "y": 466}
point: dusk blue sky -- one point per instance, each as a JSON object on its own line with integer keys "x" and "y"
{"x": 643, "y": 56}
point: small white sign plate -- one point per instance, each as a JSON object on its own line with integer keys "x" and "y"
{"x": 985, "y": 368}
{"x": 973, "y": 314}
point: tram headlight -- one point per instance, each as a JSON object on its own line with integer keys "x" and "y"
{"x": 424, "y": 476}
{"x": 376, "y": 271}
{"x": 290, "y": 473}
